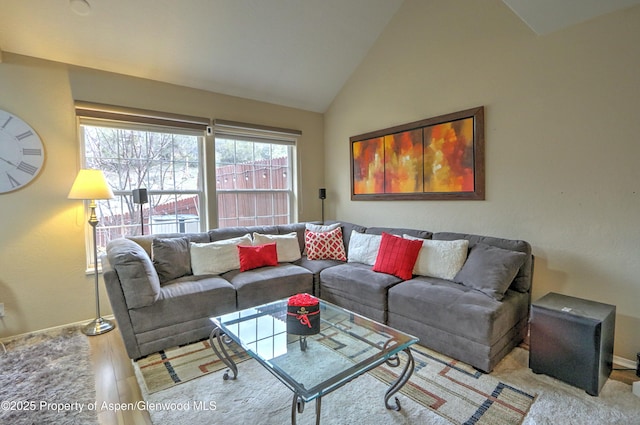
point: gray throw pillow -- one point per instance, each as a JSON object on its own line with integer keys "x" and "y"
{"x": 490, "y": 269}
{"x": 171, "y": 258}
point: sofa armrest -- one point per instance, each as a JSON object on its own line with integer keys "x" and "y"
{"x": 137, "y": 275}
{"x": 121, "y": 312}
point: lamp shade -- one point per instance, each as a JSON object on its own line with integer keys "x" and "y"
{"x": 90, "y": 184}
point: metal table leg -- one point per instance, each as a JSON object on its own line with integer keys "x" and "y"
{"x": 217, "y": 336}
{"x": 298, "y": 407}
{"x": 402, "y": 379}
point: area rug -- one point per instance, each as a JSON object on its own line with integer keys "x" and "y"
{"x": 454, "y": 391}
{"x": 181, "y": 364}
{"x": 47, "y": 378}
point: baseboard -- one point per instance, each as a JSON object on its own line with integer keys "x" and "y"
{"x": 53, "y": 328}
{"x": 621, "y": 361}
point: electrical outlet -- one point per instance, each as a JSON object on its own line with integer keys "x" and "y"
{"x": 1, "y": 309}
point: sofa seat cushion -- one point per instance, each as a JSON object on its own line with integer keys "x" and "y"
{"x": 266, "y": 284}
{"x": 457, "y": 309}
{"x": 183, "y": 300}
{"x": 357, "y": 283}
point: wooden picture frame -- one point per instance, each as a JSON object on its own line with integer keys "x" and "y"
{"x": 440, "y": 158}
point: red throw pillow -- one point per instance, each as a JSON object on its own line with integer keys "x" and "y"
{"x": 325, "y": 245}
{"x": 252, "y": 257}
{"x": 397, "y": 256}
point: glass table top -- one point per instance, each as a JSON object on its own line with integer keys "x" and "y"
{"x": 347, "y": 345}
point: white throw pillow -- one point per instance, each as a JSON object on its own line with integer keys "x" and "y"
{"x": 320, "y": 228}
{"x": 363, "y": 248}
{"x": 441, "y": 259}
{"x": 287, "y": 246}
{"x": 217, "y": 257}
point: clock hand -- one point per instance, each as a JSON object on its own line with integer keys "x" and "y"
{"x": 8, "y": 162}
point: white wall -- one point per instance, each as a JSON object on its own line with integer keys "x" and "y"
{"x": 561, "y": 129}
{"x": 42, "y": 258}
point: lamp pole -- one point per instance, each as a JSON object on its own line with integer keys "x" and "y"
{"x": 99, "y": 325}
{"x": 91, "y": 185}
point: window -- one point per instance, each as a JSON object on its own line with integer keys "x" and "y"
{"x": 165, "y": 154}
{"x": 165, "y": 160}
{"x": 254, "y": 176}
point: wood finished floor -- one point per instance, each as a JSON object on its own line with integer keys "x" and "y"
{"x": 116, "y": 381}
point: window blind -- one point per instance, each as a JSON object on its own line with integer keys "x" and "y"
{"x": 255, "y": 132}
{"x": 101, "y": 111}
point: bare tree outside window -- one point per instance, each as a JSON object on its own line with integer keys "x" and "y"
{"x": 167, "y": 164}
{"x": 253, "y": 180}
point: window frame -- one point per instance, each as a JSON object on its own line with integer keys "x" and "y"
{"x": 201, "y": 193}
{"x": 88, "y": 113}
{"x": 227, "y": 130}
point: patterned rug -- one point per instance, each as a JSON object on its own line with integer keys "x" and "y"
{"x": 453, "y": 390}
{"x": 181, "y": 364}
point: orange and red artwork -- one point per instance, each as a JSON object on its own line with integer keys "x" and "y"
{"x": 368, "y": 166}
{"x": 438, "y": 158}
{"x": 448, "y": 157}
{"x": 403, "y": 166}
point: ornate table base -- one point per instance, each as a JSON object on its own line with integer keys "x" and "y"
{"x": 218, "y": 341}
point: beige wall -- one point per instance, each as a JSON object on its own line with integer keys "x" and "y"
{"x": 42, "y": 259}
{"x": 562, "y": 127}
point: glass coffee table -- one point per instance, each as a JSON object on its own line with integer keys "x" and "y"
{"x": 346, "y": 346}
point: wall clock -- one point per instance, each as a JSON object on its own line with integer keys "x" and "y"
{"x": 21, "y": 153}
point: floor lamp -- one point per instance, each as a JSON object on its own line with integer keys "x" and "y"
{"x": 91, "y": 185}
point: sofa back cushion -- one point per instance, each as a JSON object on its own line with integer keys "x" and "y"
{"x": 138, "y": 277}
{"x": 146, "y": 241}
{"x": 281, "y": 229}
{"x": 399, "y": 231}
{"x": 347, "y": 228}
{"x": 523, "y": 279}
{"x": 225, "y": 233}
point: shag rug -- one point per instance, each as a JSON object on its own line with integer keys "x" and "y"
{"x": 47, "y": 378}
{"x": 456, "y": 392}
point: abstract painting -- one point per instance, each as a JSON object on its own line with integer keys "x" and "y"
{"x": 437, "y": 158}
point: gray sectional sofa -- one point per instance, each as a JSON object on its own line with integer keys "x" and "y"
{"x": 158, "y": 303}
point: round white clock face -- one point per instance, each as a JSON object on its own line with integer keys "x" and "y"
{"x": 21, "y": 153}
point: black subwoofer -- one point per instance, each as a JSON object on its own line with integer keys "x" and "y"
{"x": 572, "y": 340}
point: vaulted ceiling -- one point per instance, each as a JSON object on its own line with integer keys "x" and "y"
{"x": 296, "y": 53}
